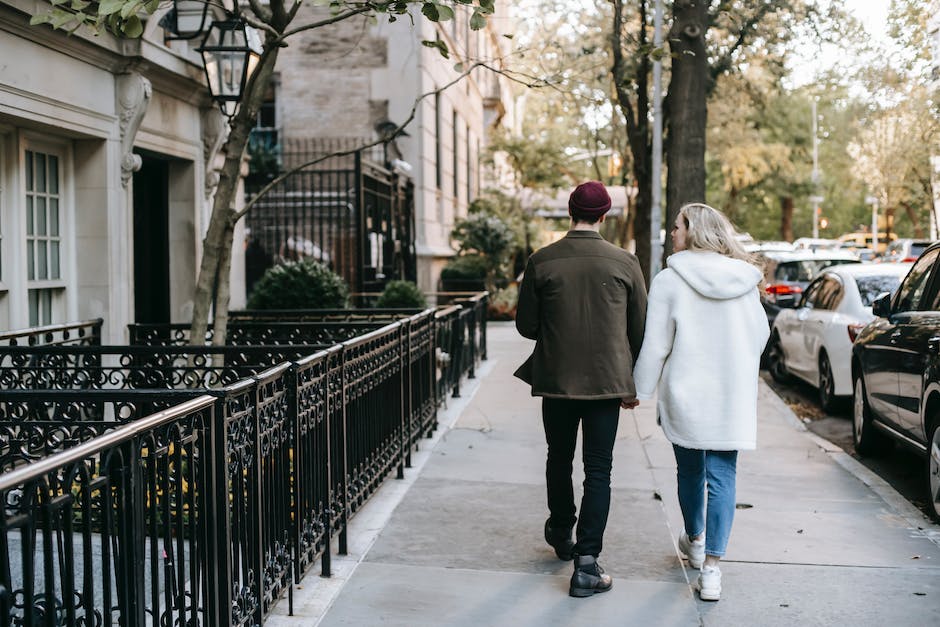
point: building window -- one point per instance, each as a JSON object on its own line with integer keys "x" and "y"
{"x": 437, "y": 140}
{"x": 43, "y": 236}
{"x": 469, "y": 171}
{"x": 455, "y": 144}
{"x": 265, "y": 129}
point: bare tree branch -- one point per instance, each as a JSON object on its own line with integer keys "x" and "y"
{"x": 339, "y": 17}
{"x": 723, "y": 64}
{"x": 398, "y": 130}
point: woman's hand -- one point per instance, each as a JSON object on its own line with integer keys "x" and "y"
{"x": 629, "y": 404}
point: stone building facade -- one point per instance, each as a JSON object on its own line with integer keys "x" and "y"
{"x": 346, "y": 81}
{"x": 106, "y": 156}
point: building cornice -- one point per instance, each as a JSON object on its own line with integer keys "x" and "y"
{"x": 168, "y": 70}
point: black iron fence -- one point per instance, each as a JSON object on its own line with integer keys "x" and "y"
{"x": 350, "y": 213}
{"x": 86, "y": 332}
{"x": 206, "y": 511}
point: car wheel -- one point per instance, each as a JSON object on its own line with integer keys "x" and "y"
{"x": 933, "y": 470}
{"x": 778, "y": 369}
{"x": 868, "y": 441}
{"x": 827, "y": 385}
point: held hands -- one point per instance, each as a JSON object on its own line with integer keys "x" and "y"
{"x": 629, "y": 404}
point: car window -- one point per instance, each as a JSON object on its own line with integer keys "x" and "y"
{"x": 806, "y": 269}
{"x": 830, "y": 293}
{"x": 915, "y": 283}
{"x": 917, "y": 249}
{"x": 870, "y": 287}
{"x": 811, "y": 295}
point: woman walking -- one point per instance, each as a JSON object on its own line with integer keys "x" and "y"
{"x": 705, "y": 330}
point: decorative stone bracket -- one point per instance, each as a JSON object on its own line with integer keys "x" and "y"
{"x": 133, "y": 95}
{"x": 214, "y": 133}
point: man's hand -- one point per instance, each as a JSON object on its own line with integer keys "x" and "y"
{"x": 629, "y": 404}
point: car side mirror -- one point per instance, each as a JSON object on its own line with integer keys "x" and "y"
{"x": 881, "y": 306}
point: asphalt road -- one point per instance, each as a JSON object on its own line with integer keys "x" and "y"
{"x": 901, "y": 468}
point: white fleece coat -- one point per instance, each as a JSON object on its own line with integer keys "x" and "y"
{"x": 705, "y": 330}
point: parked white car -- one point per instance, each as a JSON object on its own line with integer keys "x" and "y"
{"x": 814, "y": 341}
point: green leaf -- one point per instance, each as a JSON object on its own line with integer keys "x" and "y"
{"x": 131, "y": 8}
{"x": 110, "y": 7}
{"x": 42, "y": 18}
{"x": 508, "y": 35}
{"x": 477, "y": 21}
{"x": 58, "y": 2}
{"x": 80, "y": 5}
{"x": 133, "y": 27}
{"x": 440, "y": 45}
{"x": 487, "y": 6}
{"x": 151, "y": 5}
{"x": 60, "y": 18}
{"x": 458, "y": 67}
{"x": 429, "y": 10}
{"x": 444, "y": 13}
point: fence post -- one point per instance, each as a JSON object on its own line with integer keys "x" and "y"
{"x": 219, "y": 562}
{"x": 344, "y": 477}
{"x": 360, "y": 226}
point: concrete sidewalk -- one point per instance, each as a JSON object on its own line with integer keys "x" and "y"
{"x": 817, "y": 539}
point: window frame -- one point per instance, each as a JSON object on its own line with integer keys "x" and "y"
{"x": 59, "y": 289}
{"x": 928, "y": 287}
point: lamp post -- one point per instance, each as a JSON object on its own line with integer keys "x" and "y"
{"x": 873, "y": 201}
{"x": 230, "y": 52}
{"x": 815, "y": 201}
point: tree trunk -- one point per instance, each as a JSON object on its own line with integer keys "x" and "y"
{"x": 687, "y": 105}
{"x": 786, "y": 218}
{"x": 642, "y": 222}
{"x": 637, "y": 123}
{"x": 915, "y": 221}
{"x": 217, "y": 245}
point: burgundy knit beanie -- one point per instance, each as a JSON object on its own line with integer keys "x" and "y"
{"x": 589, "y": 200}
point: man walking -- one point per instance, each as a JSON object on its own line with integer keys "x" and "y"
{"x": 583, "y": 300}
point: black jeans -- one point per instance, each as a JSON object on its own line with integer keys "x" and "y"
{"x": 599, "y": 420}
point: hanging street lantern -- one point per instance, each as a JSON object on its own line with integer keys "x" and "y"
{"x": 186, "y": 20}
{"x": 230, "y": 53}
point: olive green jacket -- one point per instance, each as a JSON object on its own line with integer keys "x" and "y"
{"x": 583, "y": 300}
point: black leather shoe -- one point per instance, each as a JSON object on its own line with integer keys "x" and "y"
{"x": 560, "y": 540}
{"x": 588, "y": 578}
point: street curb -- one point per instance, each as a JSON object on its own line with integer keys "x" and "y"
{"x": 915, "y": 519}
{"x": 314, "y": 596}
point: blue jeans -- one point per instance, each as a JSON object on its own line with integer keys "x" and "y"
{"x": 717, "y": 469}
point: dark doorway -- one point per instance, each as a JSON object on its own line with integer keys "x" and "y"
{"x": 151, "y": 241}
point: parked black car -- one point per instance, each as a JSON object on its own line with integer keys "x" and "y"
{"x": 896, "y": 372}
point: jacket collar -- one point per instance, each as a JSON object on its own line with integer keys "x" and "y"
{"x": 578, "y": 234}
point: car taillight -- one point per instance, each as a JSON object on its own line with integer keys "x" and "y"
{"x": 909, "y": 260}
{"x": 782, "y": 289}
{"x": 854, "y": 330}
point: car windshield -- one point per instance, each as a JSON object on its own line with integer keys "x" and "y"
{"x": 806, "y": 269}
{"x": 870, "y": 287}
{"x": 917, "y": 249}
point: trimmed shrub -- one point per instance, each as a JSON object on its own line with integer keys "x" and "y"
{"x": 465, "y": 267}
{"x": 305, "y": 284}
{"x": 401, "y": 295}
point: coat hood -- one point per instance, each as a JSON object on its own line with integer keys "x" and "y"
{"x": 714, "y": 275}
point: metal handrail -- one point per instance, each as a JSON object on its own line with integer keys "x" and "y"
{"x": 12, "y": 479}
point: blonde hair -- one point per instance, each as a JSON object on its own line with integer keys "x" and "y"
{"x": 710, "y": 230}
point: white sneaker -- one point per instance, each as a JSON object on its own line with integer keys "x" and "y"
{"x": 709, "y": 583}
{"x": 694, "y": 550}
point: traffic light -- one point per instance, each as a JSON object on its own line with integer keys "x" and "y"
{"x": 824, "y": 223}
